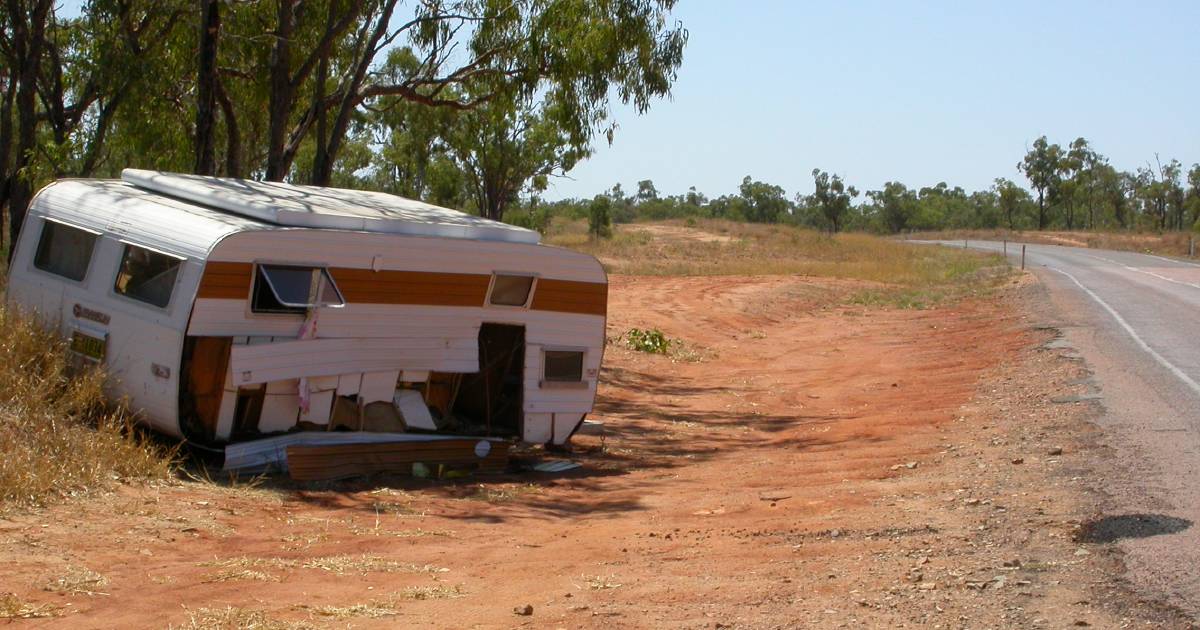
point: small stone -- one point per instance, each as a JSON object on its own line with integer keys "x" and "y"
{"x": 1055, "y": 451}
{"x": 1018, "y": 460}
{"x": 927, "y": 586}
{"x": 1080, "y": 622}
{"x": 972, "y": 501}
{"x": 910, "y": 465}
{"x": 524, "y": 611}
{"x": 1082, "y": 552}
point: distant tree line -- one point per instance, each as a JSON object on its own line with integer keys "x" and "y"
{"x": 469, "y": 103}
{"x": 1069, "y": 188}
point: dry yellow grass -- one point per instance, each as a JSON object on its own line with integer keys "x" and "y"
{"x": 906, "y": 275}
{"x": 59, "y": 436}
{"x": 231, "y": 618}
{"x": 339, "y": 565}
{"x": 77, "y": 581}
{"x": 12, "y": 607}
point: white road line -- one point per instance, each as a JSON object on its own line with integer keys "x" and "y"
{"x": 1149, "y": 273}
{"x": 1174, "y": 260}
{"x": 1187, "y": 380}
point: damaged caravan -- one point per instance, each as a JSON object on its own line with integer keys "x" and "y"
{"x": 228, "y": 310}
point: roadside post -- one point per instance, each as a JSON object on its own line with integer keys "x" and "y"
{"x": 1006, "y": 247}
{"x": 964, "y": 243}
{"x": 1191, "y": 246}
{"x": 1022, "y": 257}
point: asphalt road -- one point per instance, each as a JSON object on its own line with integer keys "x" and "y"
{"x": 1135, "y": 320}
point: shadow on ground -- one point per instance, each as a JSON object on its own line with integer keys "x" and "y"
{"x": 1113, "y": 528}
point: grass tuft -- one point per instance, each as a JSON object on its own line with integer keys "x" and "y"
{"x": 59, "y": 435}
{"x": 12, "y": 607}
{"x": 78, "y": 581}
{"x": 230, "y": 618}
{"x": 339, "y": 565}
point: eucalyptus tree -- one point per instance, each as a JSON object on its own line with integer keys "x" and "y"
{"x": 832, "y": 197}
{"x": 68, "y": 78}
{"x": 1043, "y": 166}
{"x": 896, "y": 206}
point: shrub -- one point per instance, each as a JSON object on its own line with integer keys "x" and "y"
{"x": 600, "y": 218}
{"x": 648, "y": 340}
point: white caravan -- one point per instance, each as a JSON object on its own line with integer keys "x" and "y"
{"x": 228, "y": 310}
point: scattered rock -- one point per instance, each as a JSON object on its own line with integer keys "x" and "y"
{"x": 524, "y": 611}
{"x": 972, "y": 501}
{"x": 1018, "y": 460}
{"x": 927, "y": 586}
{"x": 1055, "y": 451}
{"x": 774, "y": 495}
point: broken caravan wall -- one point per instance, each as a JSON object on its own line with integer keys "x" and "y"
{"x": 413, "y": 304}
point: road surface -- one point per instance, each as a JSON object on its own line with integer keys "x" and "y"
{"x": 1135, "y": 320}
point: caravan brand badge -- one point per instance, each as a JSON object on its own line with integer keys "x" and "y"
{"x": 84, "y": 312}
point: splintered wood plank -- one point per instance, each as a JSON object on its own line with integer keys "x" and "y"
{"x": 323, "y": 463}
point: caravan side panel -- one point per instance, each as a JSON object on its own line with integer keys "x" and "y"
{"x": 413, "y": 304}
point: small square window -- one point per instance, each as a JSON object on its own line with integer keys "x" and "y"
{"x": 289, "y": 289}
{"x": 147, "y": 276}
{"x": 561, "y": 366}
{"x": 510, "y": 290}
{"x": 64, "y": 250}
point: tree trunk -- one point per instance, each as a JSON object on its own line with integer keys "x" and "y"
{"x": 350, "y": 99}
{"x": 206, "y": 88}
{"x": 6, "y": 131}
{"x": 233, "y": 141}
{"x": 279, "y": 107}
{"x": 1041, "y": 210}
{"x": 322, "y": 168}
{"x": 28, "y": 41}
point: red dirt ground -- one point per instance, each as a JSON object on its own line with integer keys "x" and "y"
{"x": 799, "y": 466}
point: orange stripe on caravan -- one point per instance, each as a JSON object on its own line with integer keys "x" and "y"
{"x": 569, "y": 296}
{"x": 411, "y": 287}
{"x": 226, "y": 280}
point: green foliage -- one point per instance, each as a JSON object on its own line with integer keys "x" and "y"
{"x": 599, "y": 219}
{"x": 832, "y": 198}
{"x": 652, "y": 341}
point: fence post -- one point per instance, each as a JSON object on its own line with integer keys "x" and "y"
{"x": 1022, "y": 257}
{"x": 964, "y": 243}
{"x": 1191, "y": 246}
{"x": 1005, "y": 247}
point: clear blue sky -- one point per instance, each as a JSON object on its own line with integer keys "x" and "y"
{"x": 919, "y": 92}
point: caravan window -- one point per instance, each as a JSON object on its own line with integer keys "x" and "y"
{"x": 510, "y": 290}
{"x": 562, "y": 366}
{"x": 290, "y": 289}
{"x": 64, "y": 250}
{"x": 147, "y": 276}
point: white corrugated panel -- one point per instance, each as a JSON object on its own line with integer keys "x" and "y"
{"x": 281, "y": 360}
{"x": 330, "y": 208}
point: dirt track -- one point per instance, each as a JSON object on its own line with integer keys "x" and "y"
{"x": 815, "y": 467}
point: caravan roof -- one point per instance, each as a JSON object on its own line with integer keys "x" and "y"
{"x": 331, "y": 208}
{"x": 201, "y": 211}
